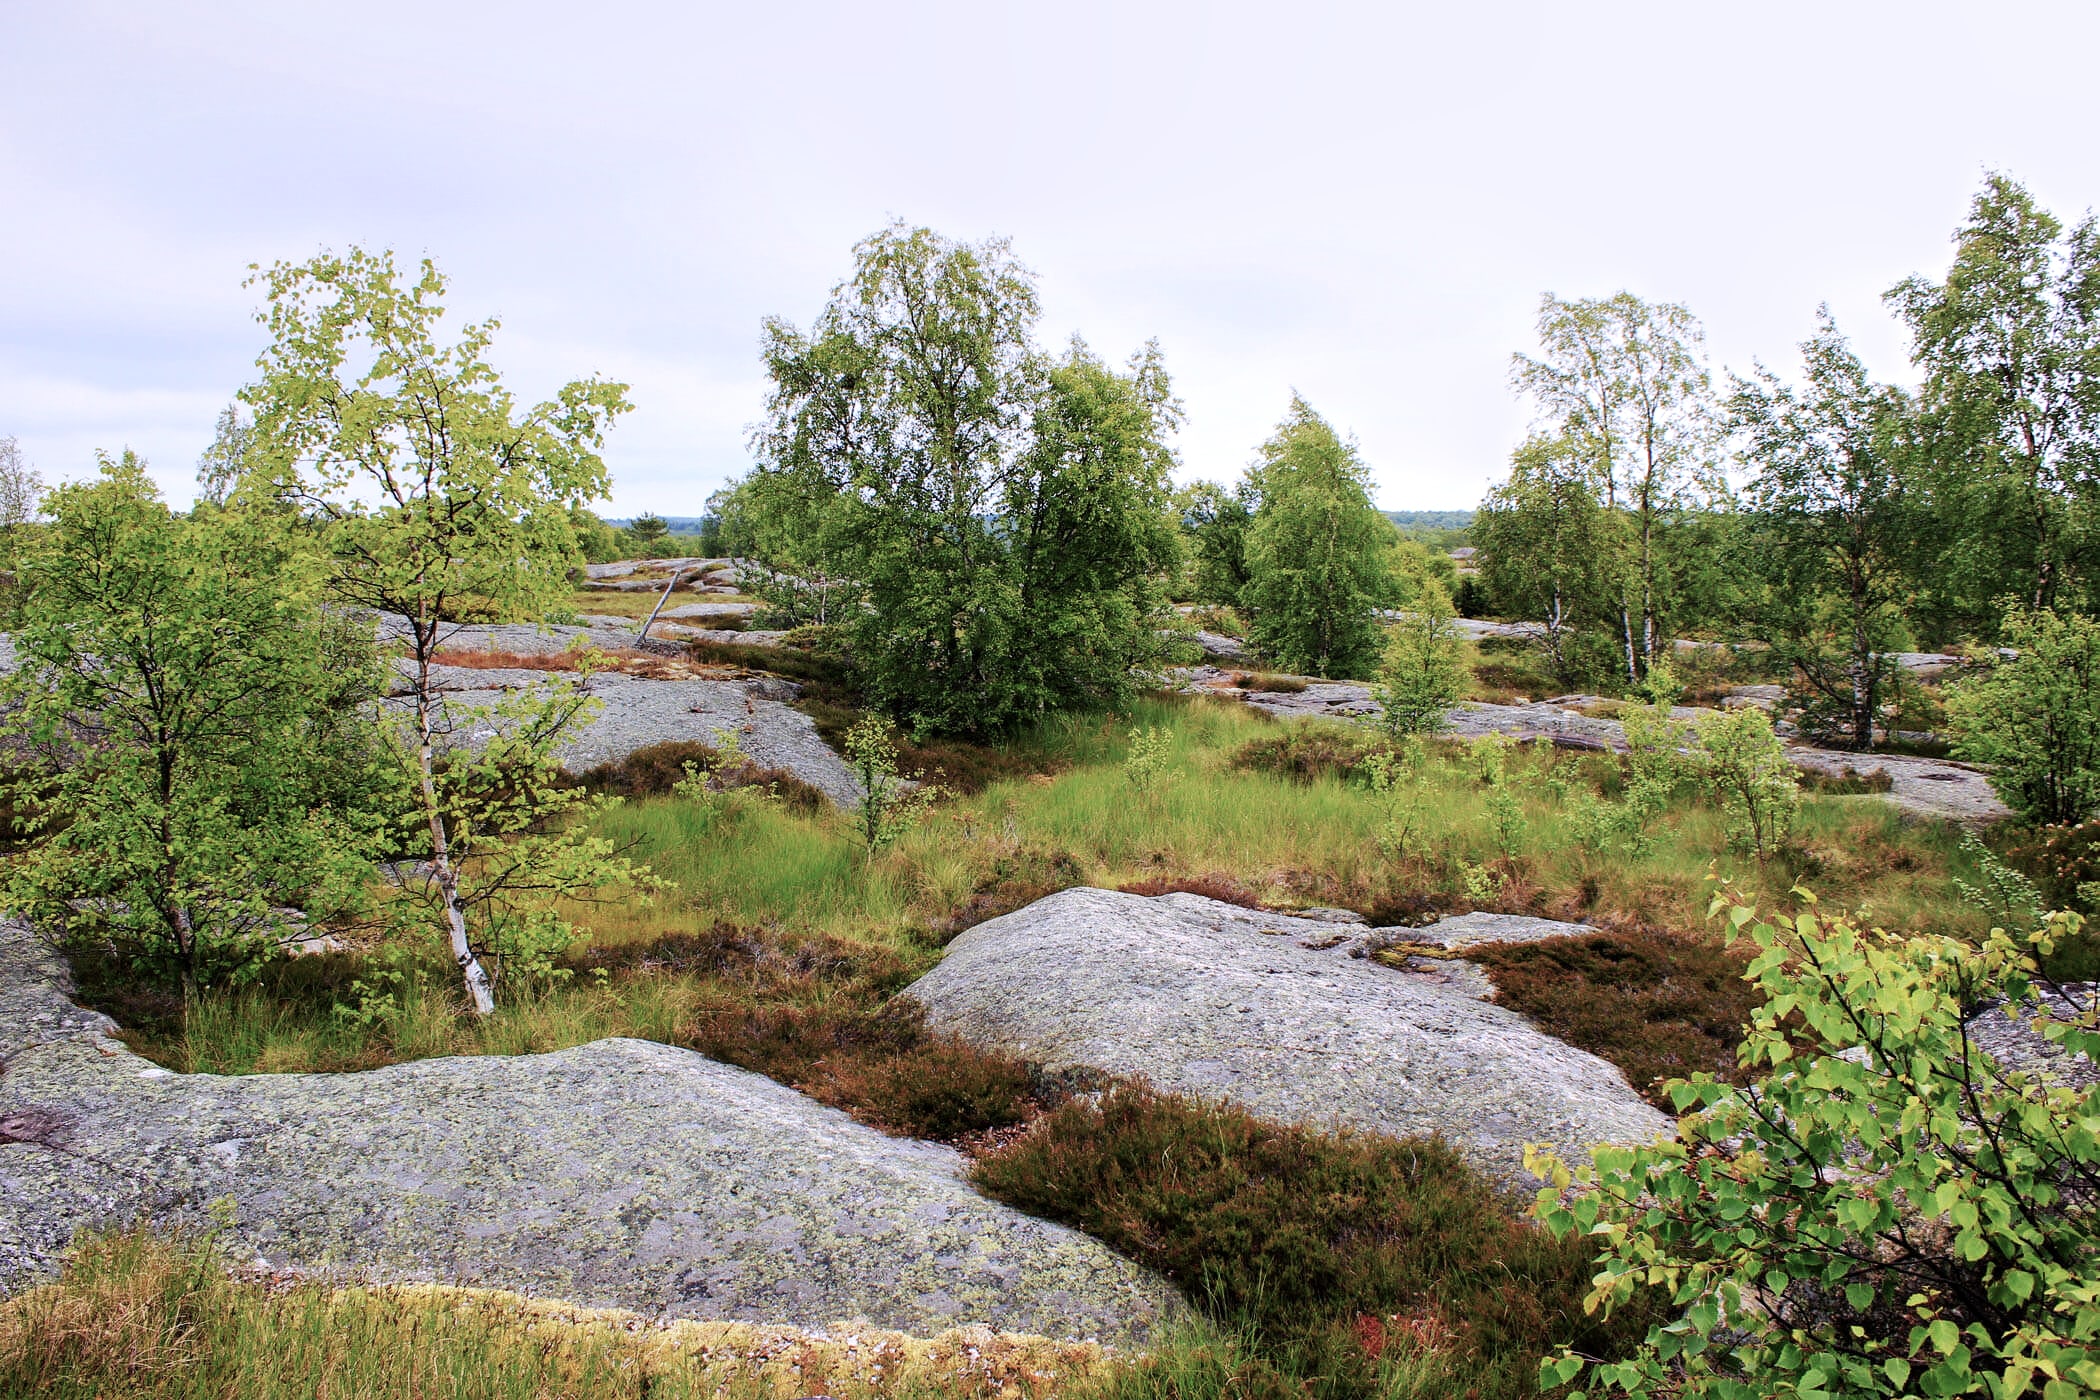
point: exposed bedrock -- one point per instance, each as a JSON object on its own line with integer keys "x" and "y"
{"x": 622, "y": 1173}
{"x": 1203, "y": 997}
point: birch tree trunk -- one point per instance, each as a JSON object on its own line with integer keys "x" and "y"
{"x": 442, "y": 869}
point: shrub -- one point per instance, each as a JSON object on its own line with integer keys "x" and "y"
{"x": 1222, "y": 888}
{"x": 2034, "y": 719}
{"x": 1296, "y": 1234}
{"x": 649, "y": 772}
{"x": 1395, "y": 781}
{"x": 1269, "y": 683}
{"x": 1746, "y": 767}
{"x": 1149, "y": 763}
{"x": 1307, "y": 752}
{"x": 890, "y": 805}
{"x": 1654, "y": 1004}
{"x": 1885, "y": 1214}
{"x": 1424, "y": 671}
{"x": 206, "y": 715}
{"x": 1850, "y": 783}
{"x": 881, "y": 1065}
{"x": 2005, "y": 896}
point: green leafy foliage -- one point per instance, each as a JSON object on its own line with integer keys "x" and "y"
{"x": 2009, "y": 344}
{"x": 439, "y": 499}
{"x": 1551, "y": 552}
{"x": 1215, "y": 520}
{"x": 199, "y": 714}
{"x": 1005, "y": 511}
{"x": 1622, "y": 384}
{"x": 1316, "y": 551}
{"x": 2008, "y": 897}
{"x": 890, "y": 804}
{"x": 516, "y": 832}
{"x": 1745, "y": 767}
{"x": 2034, "y": 718}
{"x": 1424, "y": 670}
{"x": 1150, "y": 760}
{"x": 1832, "y": 528}
{"x": 1883, "y": 1212}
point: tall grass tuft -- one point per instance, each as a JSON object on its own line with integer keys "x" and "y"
{"x": 145, "y": 1318}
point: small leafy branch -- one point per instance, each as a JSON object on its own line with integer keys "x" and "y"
{"x": 2007, "y": 896}
{"x": 1887, "y": 1213}
{"x": 891, "y": 805}
{"x": 1149, "y": 763}
{"x": 1394, "y": 777}
{"x": 516, "y": 831}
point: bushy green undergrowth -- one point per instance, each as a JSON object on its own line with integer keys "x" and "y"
{"x": 1329, "y": 1266}
{"x": 1277, "y": 814}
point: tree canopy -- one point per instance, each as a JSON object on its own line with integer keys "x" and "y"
{"x": 1003, "y": 509}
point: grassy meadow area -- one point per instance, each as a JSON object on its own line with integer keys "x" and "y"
{"x": 779, "y": 939}
{"x": 1248, "y": 808}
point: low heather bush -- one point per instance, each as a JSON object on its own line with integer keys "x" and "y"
{"x": 1324, "y": 1248}
{"x": 1307, "y": 752}
{"x": 1656, "y": 1005}
{"x": 880, "y": 1064}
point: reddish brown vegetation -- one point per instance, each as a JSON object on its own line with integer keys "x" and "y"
{"x": 1305, "y": 1237}
{"x": 1218, "y": 887}
{"x": 1656, "y": 1005}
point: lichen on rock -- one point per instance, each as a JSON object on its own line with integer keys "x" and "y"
{"x": 1207, "y": 998}
{"x": 617, "y": 1174}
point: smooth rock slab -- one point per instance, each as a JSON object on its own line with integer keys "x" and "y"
{"x": 622, "y": 1173}
{"x": 1460, "y": 931}
{"x": 1207, "y": 998}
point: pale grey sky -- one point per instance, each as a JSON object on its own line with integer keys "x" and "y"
{"x": 1363, "y": 202}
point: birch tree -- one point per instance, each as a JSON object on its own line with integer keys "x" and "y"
{"x": 1316, "y": 551}
{"x": 1551, "y": 553}
{"x": 441, "y": 499}
{"x": 1829, "y": 524}
{"x": 1624, "y": 382}
{"x": 1003, "y": 509}
{"x": 202, "y": 719}
{"x": 2010, "y": 346}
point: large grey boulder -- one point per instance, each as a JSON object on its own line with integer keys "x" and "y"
{"x": 1207, "y": 998}
{"x": 622, "y": 1174}
{"x": 637, "y": 712}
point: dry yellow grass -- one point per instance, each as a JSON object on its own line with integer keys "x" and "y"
{"x": 139, "y": 1316}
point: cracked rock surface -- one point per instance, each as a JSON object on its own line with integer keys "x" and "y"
{"x": 617, "y": 1174}
{"x": 1203, "y": 997}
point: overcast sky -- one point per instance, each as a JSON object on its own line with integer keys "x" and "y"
{"x": 1361, "y": 202}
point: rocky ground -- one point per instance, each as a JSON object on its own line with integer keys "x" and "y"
{"x": 638, "y": 711}
{"x": 1207, "y": 998}
{"x": 619, "y": 1174}
{"x": 1930, "y": 787}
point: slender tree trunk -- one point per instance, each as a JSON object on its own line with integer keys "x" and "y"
{"x": 1864, "y": 688}
{"x": 1556, "y": 642}
{"x": 442, "y": 869}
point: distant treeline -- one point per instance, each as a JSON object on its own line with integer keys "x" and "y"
{"x": 1409, "y": 520}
